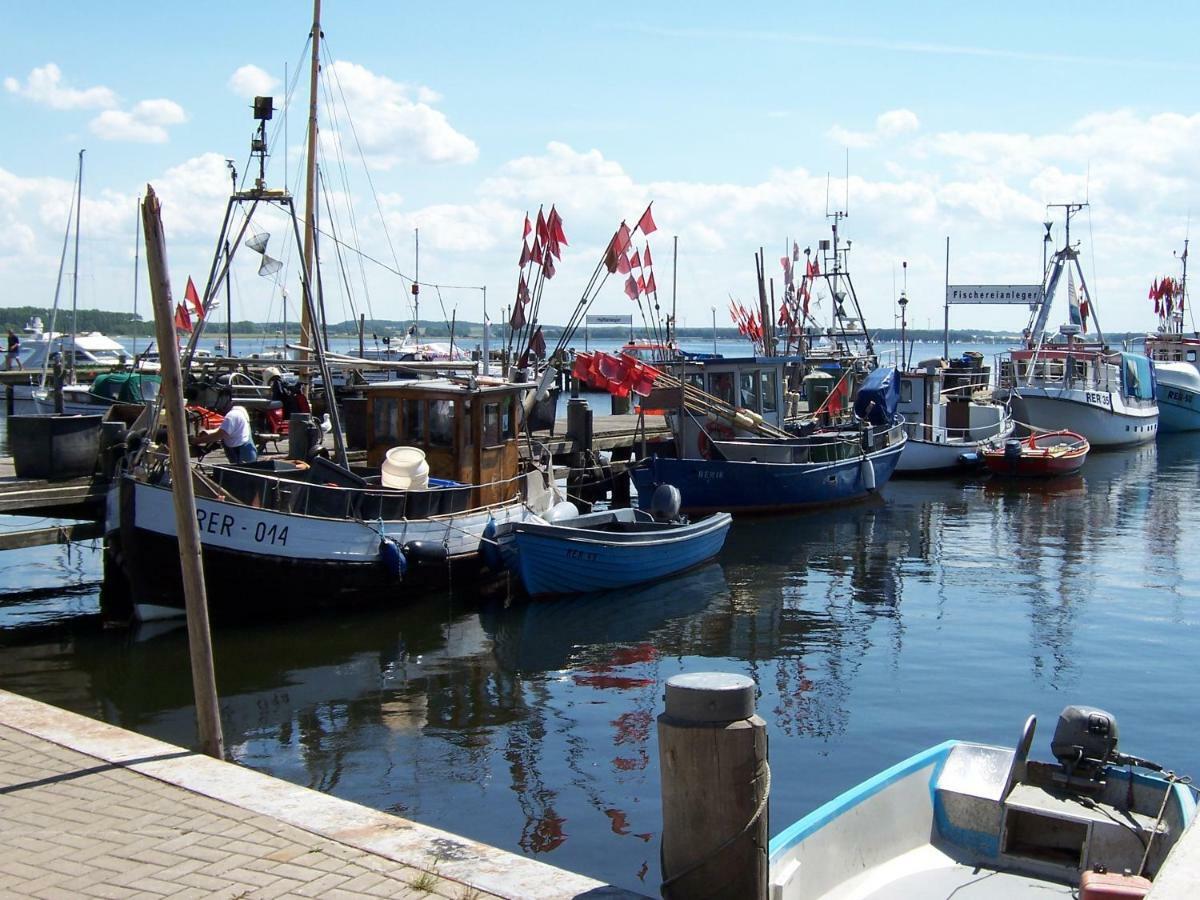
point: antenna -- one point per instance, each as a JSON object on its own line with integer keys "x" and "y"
{"x": 827, "y": 195}
{"x": 846, "y": 208}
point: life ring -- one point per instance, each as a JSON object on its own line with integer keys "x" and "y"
{"x": 718, "y": 430}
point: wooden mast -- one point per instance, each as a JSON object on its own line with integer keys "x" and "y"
{"x": 310, "y": 182}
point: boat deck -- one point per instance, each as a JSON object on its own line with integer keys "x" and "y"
{"x": 929, "y": 874}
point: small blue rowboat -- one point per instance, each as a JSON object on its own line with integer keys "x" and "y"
{"x": 607, "y": 550}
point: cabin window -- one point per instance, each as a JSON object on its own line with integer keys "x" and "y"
{"x": 768, "y": 381}
{"x": 387, "y": 425}
{"x": 492, "y": 426}
{"x": 441, "y": 423}
{"x": 694, "y": 379}
{"x": 507, "y": 419}
{"x": 720, "y": 385}
{"x": 906, "y": 391}
{"x": 414, "y": 421}
{"x": 1191, "y": 356}
{"x": 748, "y": 390}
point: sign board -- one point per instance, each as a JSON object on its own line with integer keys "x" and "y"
{"x": 1007, "y": 294}
{"x": 610, "y": 320}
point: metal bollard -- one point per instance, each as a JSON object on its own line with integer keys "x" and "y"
{"x": 715, "y": 787}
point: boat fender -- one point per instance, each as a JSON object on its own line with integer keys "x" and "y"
{"x": 560, "y": 512}
{"x": 425, "y": 553}
{"x": 868, "y": 474}
{"x": 489, "y": 551}
{"x": 970, "y": 458}
{"x": 392, "y": 558}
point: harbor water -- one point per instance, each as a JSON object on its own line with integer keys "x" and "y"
{"x": 941, "y": 608}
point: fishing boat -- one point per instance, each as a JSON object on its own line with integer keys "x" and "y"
{"x": 970, "y": 820}
{"x": 617, "y": 548}
{"x": 775, "y": 469}
{"x": 1041, "y": 455}
{"x": 1176, "y": 365}
{"x": 949, "y": 415}
{"x": 1077, "y": 384}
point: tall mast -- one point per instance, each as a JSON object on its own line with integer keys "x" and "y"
{"x": 416, "y": 288}
{"x": 674, "y": 273}
{"x": 137, "y": 240}
{"x": 75, "y": 275}
{"x": 310, "y": 184}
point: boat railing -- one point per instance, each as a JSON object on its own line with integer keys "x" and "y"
{"x": 1085, "y": 372}
{"x": 939, "y": 434}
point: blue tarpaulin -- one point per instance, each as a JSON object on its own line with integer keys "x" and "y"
{"x": 877, "y": 398}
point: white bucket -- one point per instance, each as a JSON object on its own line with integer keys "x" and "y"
{"x": 405, "y": 468}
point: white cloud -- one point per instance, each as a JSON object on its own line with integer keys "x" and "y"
{"x": 395, "y": 122}
{"x": 45, "y": 86}
{"x": 251, "y": 81}
{"x": 145, "y": 123}
{"x": 891, "y": 124}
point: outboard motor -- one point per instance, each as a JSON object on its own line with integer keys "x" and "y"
{"x": 1085, "y": 741}
{"x": 665, "y": 503}
{"x": 1012, "y": 452}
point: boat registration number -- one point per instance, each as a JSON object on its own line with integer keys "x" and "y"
{"x": 1096, "y": 399}
{"x": 587, "y": 555}
{"x": 224, "y": 525}
{"x": 1181, "y": 396}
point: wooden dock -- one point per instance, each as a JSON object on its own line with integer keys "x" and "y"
{"x": 73, "y": 498}
{"x": 609, "y": 433}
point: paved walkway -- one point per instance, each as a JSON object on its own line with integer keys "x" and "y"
{"x": 88, "y": 810}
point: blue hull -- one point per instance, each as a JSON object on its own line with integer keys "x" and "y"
{"x": 1178, "y": 409}
{"x": 572, "y": 563}
{"x": 759, "y": 487}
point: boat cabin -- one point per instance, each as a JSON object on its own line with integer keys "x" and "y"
{"x": 936, "y": 400}
{"x": 1080, "y": 367}
{"x": 467, "y": 429}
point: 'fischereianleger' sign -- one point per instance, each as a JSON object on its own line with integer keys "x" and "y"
{"x": 1014, "y": 294}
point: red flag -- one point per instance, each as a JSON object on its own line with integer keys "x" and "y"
{"x": 552, "y": 246}
{"x": 631, "y": 288}
{"x": 787, "y": 269}
{"x": 641, "y": 283}
{"x": 795, "y": 252}
{"x": 554, "y": 223}
{"x": 537, "y": 343}
{"x": 785, "y": 316}
{"x": 517, "y": 322}
{"x": 537, "y": 253}
{"x": 623, "y": 264}
{"x": 651, "y": 287}
{"x": 528, "y": 227}
{"x": 193, "y": 298}
{"x": 646, "y": 256}
{"x": 548, "y": 267}
{"x": 183, "y": 322}
{"x": 524, "y": 254}
{"x": 522, "y": 290}
{"x": 635, "y": 260}
{"x": 542, "y": 233}
{"x": 646, "y": 222}
{"x": 622, "y": 238}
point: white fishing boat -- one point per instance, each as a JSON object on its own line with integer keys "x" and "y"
{"x": 1175, "y": 355}
{"x": 968, "y": 820}
{"x": 1074, "y": 383}
{"x": 949, "y": 415}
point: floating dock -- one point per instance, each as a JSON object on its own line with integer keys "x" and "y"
{"x": 88, "y": 809}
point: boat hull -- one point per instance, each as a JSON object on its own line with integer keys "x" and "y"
{"x": 1178, "y": 394}
{"x": 927, "y": 457}
{"x": 259, "y": 561}
{"x": 765, "y": 487}
{"x": 1105, "y": 422}
{"x": 552, "y": 560}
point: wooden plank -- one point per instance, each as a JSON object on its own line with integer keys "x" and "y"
{"x": 29, "y": 495}
{"x": 60, "y": 534}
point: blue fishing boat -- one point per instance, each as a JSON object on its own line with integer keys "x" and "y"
{"x": 819, "y": 466}
{"x": 968, "y": 820}
{"x": 607, "y": 550}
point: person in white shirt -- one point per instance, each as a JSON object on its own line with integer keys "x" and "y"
{"x": 235, "y": 434}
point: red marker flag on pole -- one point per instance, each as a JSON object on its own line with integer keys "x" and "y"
{"x": 193, "y": 298}
{"x": 537, "y": 343}
{"x": 795, "y": 252}
{"x": 542, "y": 233}
{"x": 631, "y": 288}
{"x": 641, "y": 283}
{"x": 554, "y": 224}
{"x": 548, "y": 267}
{"x": 528, "y": 227}
{"x": 517, "y": 322}
{"x": 646, "y": 222}
{"x": 522, "y": 290}
{"x": 651, "y": 287}
{"x": 524, "y": 255}
{"x": 646, "y": 256}
{"x": 537, "y": 252}
{"x": 183, "y": 322}
{"x": 623, "y": 238}
{"x": 635, "y": 260}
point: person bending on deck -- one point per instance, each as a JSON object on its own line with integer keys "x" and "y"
{"x": 14, "y": 351}
{"x": 235, "y": 435}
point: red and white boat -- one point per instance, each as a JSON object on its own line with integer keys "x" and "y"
{"x": 1039, "y": 455}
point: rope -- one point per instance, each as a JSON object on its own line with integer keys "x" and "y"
{"x": 765, "y": 774}
{"x": 1172, "y": 778}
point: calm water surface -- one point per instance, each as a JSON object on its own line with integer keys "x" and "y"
{"x": 945, "y": 609}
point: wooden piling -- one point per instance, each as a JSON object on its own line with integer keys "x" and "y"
{"x": 204, "y": 682}
{"x": 9, "y": 401}
{"x": 715, "y": 782}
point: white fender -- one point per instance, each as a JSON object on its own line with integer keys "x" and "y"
{"x": 868, "y": 474}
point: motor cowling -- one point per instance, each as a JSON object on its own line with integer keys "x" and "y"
{"x": 1085, "y": 740}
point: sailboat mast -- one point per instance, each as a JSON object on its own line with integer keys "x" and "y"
{"x": 310, "y": 183}
{"x": 137, "y": 240}
{"x": 75, "y": 275}
{"x": 674, "y": 274}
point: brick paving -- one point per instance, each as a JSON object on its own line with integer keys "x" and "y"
{"x": 72, "y": 825}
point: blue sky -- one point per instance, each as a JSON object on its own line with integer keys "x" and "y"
{"x": 959, "y": 121}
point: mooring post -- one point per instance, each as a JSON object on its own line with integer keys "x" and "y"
{"x": 715, "y": 785}
{"x": 58, "y": 384}
{"x": 204, "y": 682}
{"x": 8, "y": 400}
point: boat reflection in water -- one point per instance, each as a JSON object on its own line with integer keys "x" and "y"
{"x": 946, "y": 607}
